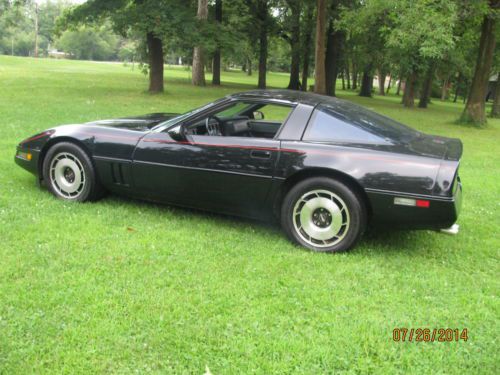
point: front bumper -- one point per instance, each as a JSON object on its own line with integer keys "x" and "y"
{"x": 30, "y": 163}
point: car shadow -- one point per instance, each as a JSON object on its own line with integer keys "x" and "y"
{"x": 393, "y": 240}
{"x": 375, "y": 240}
{"x": 188, "y": 213}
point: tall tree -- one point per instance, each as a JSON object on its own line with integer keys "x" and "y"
{"x": 262, "y": 16}
{"x": 155, "y": 55}
{"x": 295, "y": 10}
{"x": 381, "y": 81}
{"x": 258, "y": 11}
{"x": 425, "y": 93}
{"x": 367, "y": 81}
{"x": 474, "y": 111}
{"x": 319, "y": 60}
{"x": 307, "y": 36}
{"x": 154, "y": 20}
{"x": 421, "y": 32}
{"x": 410, "y": 89}
{"x": 198, "y": 52}
{"x": 366, "y": 24}
{"x": 334, "y": 46}
{"x": 217, "y": 53}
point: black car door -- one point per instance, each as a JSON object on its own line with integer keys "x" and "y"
{"x": 229, "y": 174}
{"x": 223, "y": 174}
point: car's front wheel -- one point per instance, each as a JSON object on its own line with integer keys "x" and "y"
{"x": 323, "y": 215}
{"x": 69, "y": 173}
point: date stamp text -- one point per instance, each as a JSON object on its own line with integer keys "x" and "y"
{"x": 429, "y": 334}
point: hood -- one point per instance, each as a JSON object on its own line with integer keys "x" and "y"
{"x": 139, "y": 123}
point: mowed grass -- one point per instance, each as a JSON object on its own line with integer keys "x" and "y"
{"x": 122, "y": 286}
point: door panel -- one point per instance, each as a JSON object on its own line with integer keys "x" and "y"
{"x": 224, "y": 174}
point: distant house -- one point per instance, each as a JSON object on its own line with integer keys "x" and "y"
{"x": 492, "y": 85}
{"x": 55, "y": 54}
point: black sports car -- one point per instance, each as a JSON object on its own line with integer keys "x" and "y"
{"x": 325, "y": 167}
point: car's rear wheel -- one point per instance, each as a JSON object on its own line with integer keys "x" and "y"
{"x": 323, "y": 215}
{"x": 69, "y": 173}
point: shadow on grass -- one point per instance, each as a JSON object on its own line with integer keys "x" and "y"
{"x": 392, "y": 240}
{"x": 375, "y": 240}
{"x": 380, "y": 240}
{"x": 198, "y": 214}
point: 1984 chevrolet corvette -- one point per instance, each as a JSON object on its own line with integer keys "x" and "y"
{"x": 326, "y": 168}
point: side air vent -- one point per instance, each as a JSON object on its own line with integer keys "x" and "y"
{"x": 118, "y": 175}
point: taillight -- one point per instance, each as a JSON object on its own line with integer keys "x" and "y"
{"x": 400, "y": 201}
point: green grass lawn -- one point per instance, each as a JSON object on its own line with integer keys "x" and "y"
{"x": 121, "y": 286}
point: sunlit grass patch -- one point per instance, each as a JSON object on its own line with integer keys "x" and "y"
{"x": 125, "y": 286}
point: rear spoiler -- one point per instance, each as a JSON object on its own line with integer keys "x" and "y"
{"x": 454, "y": 149}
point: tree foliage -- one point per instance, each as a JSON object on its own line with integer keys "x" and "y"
{"x": 424, "y": 47}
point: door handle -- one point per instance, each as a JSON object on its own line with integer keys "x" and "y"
{"x": 260, "y": 154}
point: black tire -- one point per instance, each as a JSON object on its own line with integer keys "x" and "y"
{"x": 80, "y": 167}
{"x": 305, "y": 201}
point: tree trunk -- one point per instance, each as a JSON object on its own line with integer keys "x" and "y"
{"x": 367, "y": 82}
{"x": 249, "y": 67}
{"x": 294, "y": 83}
{"x": 319, "y": 60}
{"x": 425, "y": 95}
{"x": 347, "y": 75}
{"x": 332, "y": 59}
{"x": 495, "y": 110}
{"x": 381, "y": 82}
{"x": 409, "y": 93}
{"x": 457, "y": 88}
{"x": 389, "y": 84}
{"x": 307, "y": 46}
{"x": 198, "y": 53}
{"x": 262, "y": 59}
{"x": 217, "y": 53}
{"x": 155, "y": 54}
{"x": 354, "y": 77}
{"x": 474, "y": 111}
{"x": 198, "y": 67}
{"x": 262, "y": 14}
{"x": 444, "y": 89}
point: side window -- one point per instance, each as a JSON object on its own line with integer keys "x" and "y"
{"x": 267, "y": 120}
{"x": 251, "y": 119}
{"x": 273, "y": 112}
{"x": 233, "y": 110}
{"x": 325, "y": 125}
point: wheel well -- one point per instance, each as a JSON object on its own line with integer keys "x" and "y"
{"x": 53, "y": 142}
{"x": 321, "y": 172}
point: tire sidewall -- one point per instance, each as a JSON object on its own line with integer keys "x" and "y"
{"x": 355, "y": 206}
{"x": 88, "y": 169}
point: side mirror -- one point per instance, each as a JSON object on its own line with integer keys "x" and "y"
{"x": 258, "y": 115}
{"x": 178, "y": 133}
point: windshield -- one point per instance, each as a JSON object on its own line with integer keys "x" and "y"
{"x": 175, "y": 120}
